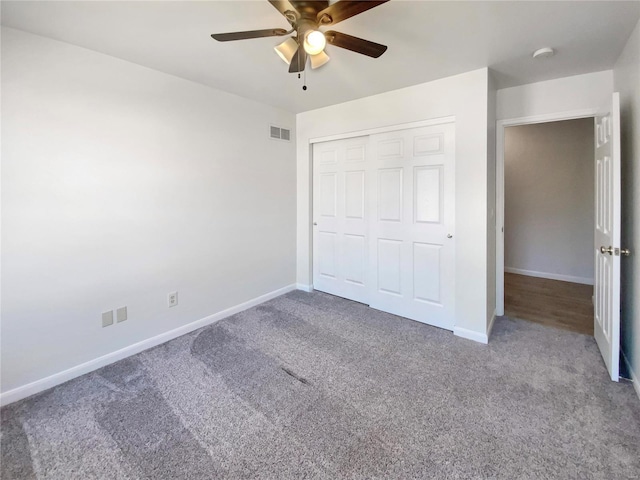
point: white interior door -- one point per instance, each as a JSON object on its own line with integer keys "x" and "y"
{"x": 607, "y": 235}
{"x": 340, "y": 237}
{"x": 411, "y": 224}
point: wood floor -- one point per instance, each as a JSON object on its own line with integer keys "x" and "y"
{"x": 549, "y": 302}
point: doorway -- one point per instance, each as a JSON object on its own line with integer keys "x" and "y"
{"x": 549, "y": 222}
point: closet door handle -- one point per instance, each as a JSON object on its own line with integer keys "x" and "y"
{"x": 604, "y": 250}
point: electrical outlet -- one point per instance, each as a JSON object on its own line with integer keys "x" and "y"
{"x": 172, "y": 299}
{"x": 121, "y": 314}
{"x": 107, "y": 318}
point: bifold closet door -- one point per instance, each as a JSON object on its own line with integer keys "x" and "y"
{"x": 340, "y": 238}
{"x": 411, "y": 223}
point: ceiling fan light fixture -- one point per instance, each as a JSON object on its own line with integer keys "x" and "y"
{"x": 306, "y": 18}
{"x": 319, "y": 60}
{"x": 314, "y": 42}
{"x": 287, "y": 49}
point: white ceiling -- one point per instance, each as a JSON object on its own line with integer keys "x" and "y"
{"x": 427, "y": 40}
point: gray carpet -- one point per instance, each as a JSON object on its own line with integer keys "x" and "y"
{"x": 313, "y": 386}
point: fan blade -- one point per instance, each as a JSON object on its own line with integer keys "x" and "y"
{"x": 298, "y": 61}
{"x": 355, "y": 44}
{"x": 284, "y": 6}
{"x": 227, "y": 37}
{"x": 344, "y": 9}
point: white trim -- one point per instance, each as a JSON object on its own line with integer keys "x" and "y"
{"x": 57, "y": 378}
{"x": 550, "y": 276}
{"x": 500, "y": 126}
{"x": 549, "y": 117}
{"x": 389, "y": 128}
{"x": 490, "y": 327}
{"x": 471, "y": 335}
{"x": 632, "y": 374}
{"x": 304, "y": 287}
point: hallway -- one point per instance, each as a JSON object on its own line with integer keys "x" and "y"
{"x": 553, "y": 303}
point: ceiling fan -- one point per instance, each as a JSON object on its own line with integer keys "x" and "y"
{"x": 306, "y": 18}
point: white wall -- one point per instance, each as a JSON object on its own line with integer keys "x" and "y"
{"x": 549, "y": 200}
{"x": 567, "y": 94}
{"x": 119, "y": 185}
{"x": 627, "y": 81}
{"x": 465, "y": 97}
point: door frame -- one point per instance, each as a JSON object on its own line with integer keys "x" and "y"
{"x": 500, "y": 127}
{"x": 385, "y": 129}
{"x": 341, "y": 136}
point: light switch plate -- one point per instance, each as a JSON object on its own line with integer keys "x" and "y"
{"x": 107, "y": 318}
{"x": 121, "y": 314}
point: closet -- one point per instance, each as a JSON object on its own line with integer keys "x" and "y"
{"x": 383, "y": 221}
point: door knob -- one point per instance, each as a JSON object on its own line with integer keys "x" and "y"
{"x": 449, "y": 235}
{"x": 314, "y": 223}
{"x": 625, "y": 251}
{"x": 606, "y": 250}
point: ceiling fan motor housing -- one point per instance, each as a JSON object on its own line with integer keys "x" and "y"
{"x": 308, "y": 12}
{"x": 309, "y": 9}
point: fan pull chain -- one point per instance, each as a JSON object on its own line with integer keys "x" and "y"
{"x": 304, "y": 81}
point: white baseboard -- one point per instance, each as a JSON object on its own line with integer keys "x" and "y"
{"x": 56, "y": 379}
{"x": 550, "y": 276}
{"x": 632, "y": 374}
{"x": 304, "y": 287}
{"x": 471, "y": 335}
